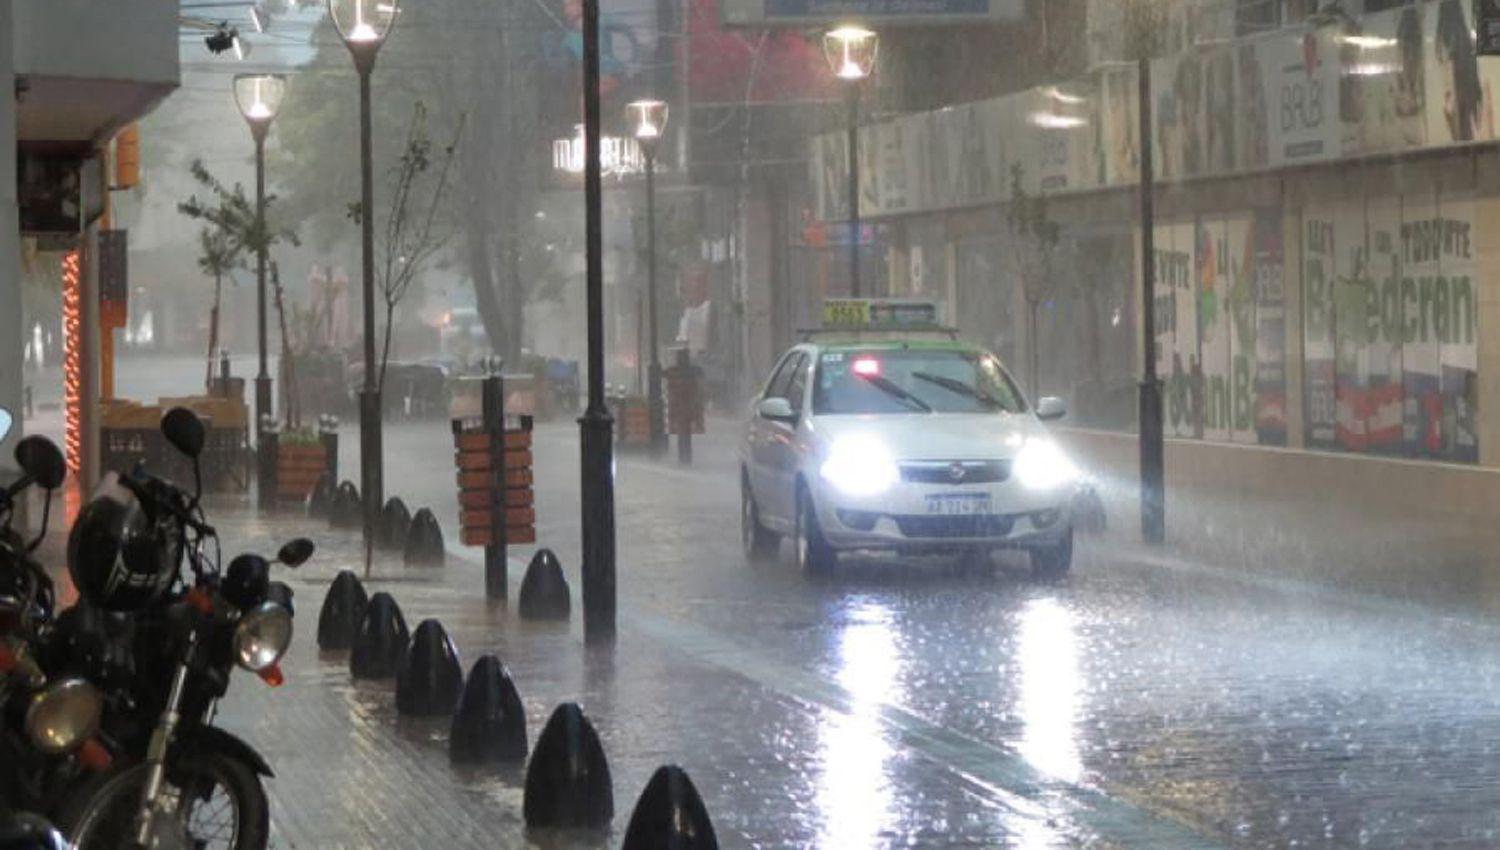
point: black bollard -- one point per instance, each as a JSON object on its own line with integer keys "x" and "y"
{"x": 380, "y": 647}
{"x": 544, "y": 590}
{"x": 343, "y": 612}
{"x": 489, "y": 726}
{"x": 395, "y": 523}
{"x": 431, "y": 678}
{"x": 567, "y": 780}
{"x": 670, "y": 815}
{"x": 424, "y": 541}
{"x": 345, "y": 511}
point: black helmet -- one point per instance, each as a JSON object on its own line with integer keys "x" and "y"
{"x": 120, "y": 557}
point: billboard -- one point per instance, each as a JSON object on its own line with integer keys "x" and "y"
{"x": 813, "y": 13}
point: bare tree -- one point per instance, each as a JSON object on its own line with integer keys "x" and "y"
{"x": 412, "y": 232}
{"x": 1037, "y": 237}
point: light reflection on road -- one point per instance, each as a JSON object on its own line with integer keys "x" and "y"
{"x": 1048, "y": 699}
{"x": 854, "y": 789}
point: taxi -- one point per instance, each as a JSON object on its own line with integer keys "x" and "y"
{"x": 884, "y": 431}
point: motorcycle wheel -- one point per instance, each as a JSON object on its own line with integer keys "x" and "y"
{"x": 220, "y": 806}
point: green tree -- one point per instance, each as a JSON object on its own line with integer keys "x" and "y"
{"x": 232, "y": 233}
{"x": 473, "y": 58}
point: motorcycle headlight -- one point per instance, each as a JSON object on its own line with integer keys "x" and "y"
{"x": 262, "y": 636}
{"x": 860, "y": 466}
{"x": 1041, "y": 465}
{"x": 63, "y": 715}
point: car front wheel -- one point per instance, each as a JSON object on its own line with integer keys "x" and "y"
{"x": 814, "y": 555}
{"x": 1054, "y": 561}
{"x": 760, "y": 543}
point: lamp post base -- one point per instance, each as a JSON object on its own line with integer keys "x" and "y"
{"x": 370, "y": 485}
{"x": 596, "y": 432}
{"x": 1153, "y": 461}
{"x": 657, "y": 410}
{"x": 265, "y": 450}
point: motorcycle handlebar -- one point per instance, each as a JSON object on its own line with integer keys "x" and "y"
{"x": 165, "y": 495}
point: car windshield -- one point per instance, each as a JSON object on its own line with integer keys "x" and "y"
{"x": 913, "y": 381}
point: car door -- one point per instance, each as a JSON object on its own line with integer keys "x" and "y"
{"x": 760, "y": 436}
{"x": 783, "y": 454}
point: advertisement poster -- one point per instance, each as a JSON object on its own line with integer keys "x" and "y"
{"x": 1318, "y": 273}
{"x": 1176, "y": 327}
{"x": 1209, "y": 369}
{"x": 1455, "y": 317}
{"x": 1460, "y": 96}
{"x": 1304, "y": 88}
{"x": 1252, "y": 122}
{"x": 1221, "y": 141}
{"x": 1119, "y": 125}
{"x": 1239, "y": 320}
{"x": 1421, "y": 358}
{"x": 1383, "y": 107}
{"x": 1349, "y": 318}
{"x": 1267, "y": 277}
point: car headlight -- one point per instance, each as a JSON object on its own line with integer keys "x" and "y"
{"x": 860, "y": 466}
{"x": 63, "y": 715}
{"x": 262, "y": 636}
{"x": 1041, "y": 465}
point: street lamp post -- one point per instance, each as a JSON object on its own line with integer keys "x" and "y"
{"x": 258, "y": 97}
{"x": 1152, "y": 448}
{"x": 364, "y": 25}
{"x": 649, "y": 119}
{"x": 596, "y": 426}
{"x": 851, "y": 53}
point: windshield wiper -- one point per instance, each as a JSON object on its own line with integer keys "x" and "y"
{"x": 961, "y": 388}
{"x": 895, "y": 390}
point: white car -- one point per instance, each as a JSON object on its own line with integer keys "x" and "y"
{"x": 904, "y": 442}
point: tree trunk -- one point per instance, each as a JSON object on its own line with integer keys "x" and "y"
{"x": 293, "y": 406}
{"x": 486, "y": 300}
{"x": 213, "y": 334}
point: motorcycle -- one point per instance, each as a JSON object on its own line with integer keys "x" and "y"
{"x": 141, "y": 549}
{"x": 48, "y": 716}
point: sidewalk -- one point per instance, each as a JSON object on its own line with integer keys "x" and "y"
{"x": 781, "y": 758}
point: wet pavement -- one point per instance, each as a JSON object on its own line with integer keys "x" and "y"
{"x": 1144, "y": 701}
{"x": 1141, "y": 702}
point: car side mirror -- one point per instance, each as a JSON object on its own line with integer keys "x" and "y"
{"x": 1051, "y": 407}
{"x": 776, "y": 410}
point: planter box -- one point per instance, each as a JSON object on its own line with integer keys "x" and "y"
{"x": 299, "y": 468}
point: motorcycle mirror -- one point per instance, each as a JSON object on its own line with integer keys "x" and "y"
{"x": 184, "y": 430}
{"x": 5, "y": 422}
{"x": 40, "y": 458}
{"x": 296, "y": 552}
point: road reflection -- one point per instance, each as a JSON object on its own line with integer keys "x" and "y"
{"x": 854, "y": 789}
{"x": 1048, "y": 698}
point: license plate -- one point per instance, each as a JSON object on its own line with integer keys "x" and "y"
{"x": 958, "y": 504}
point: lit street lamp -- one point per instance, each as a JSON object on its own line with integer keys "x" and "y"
{"x": 364, "y": 25}
{"x": 259, "y": 97}
{"x": 851, "y": 52}
{"x": 648, "y": 119}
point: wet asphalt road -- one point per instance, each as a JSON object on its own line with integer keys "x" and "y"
{"x": 1130, "y": 701}
{"x": 1140, "y": 702}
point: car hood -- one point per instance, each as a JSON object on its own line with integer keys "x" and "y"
{"x": 937, "y": 436}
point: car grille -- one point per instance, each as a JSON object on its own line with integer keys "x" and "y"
{"x": 983, "y": 525}
{"x": 955, "y": 471}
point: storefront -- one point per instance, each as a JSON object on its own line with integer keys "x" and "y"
{"x": 1327, "y": 235}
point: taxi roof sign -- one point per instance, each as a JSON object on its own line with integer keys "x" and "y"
{"x": 881, "y": 314}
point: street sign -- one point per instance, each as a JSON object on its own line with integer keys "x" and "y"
{"x": 878, "y": 13}
{"x": 1487, "y": 27}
